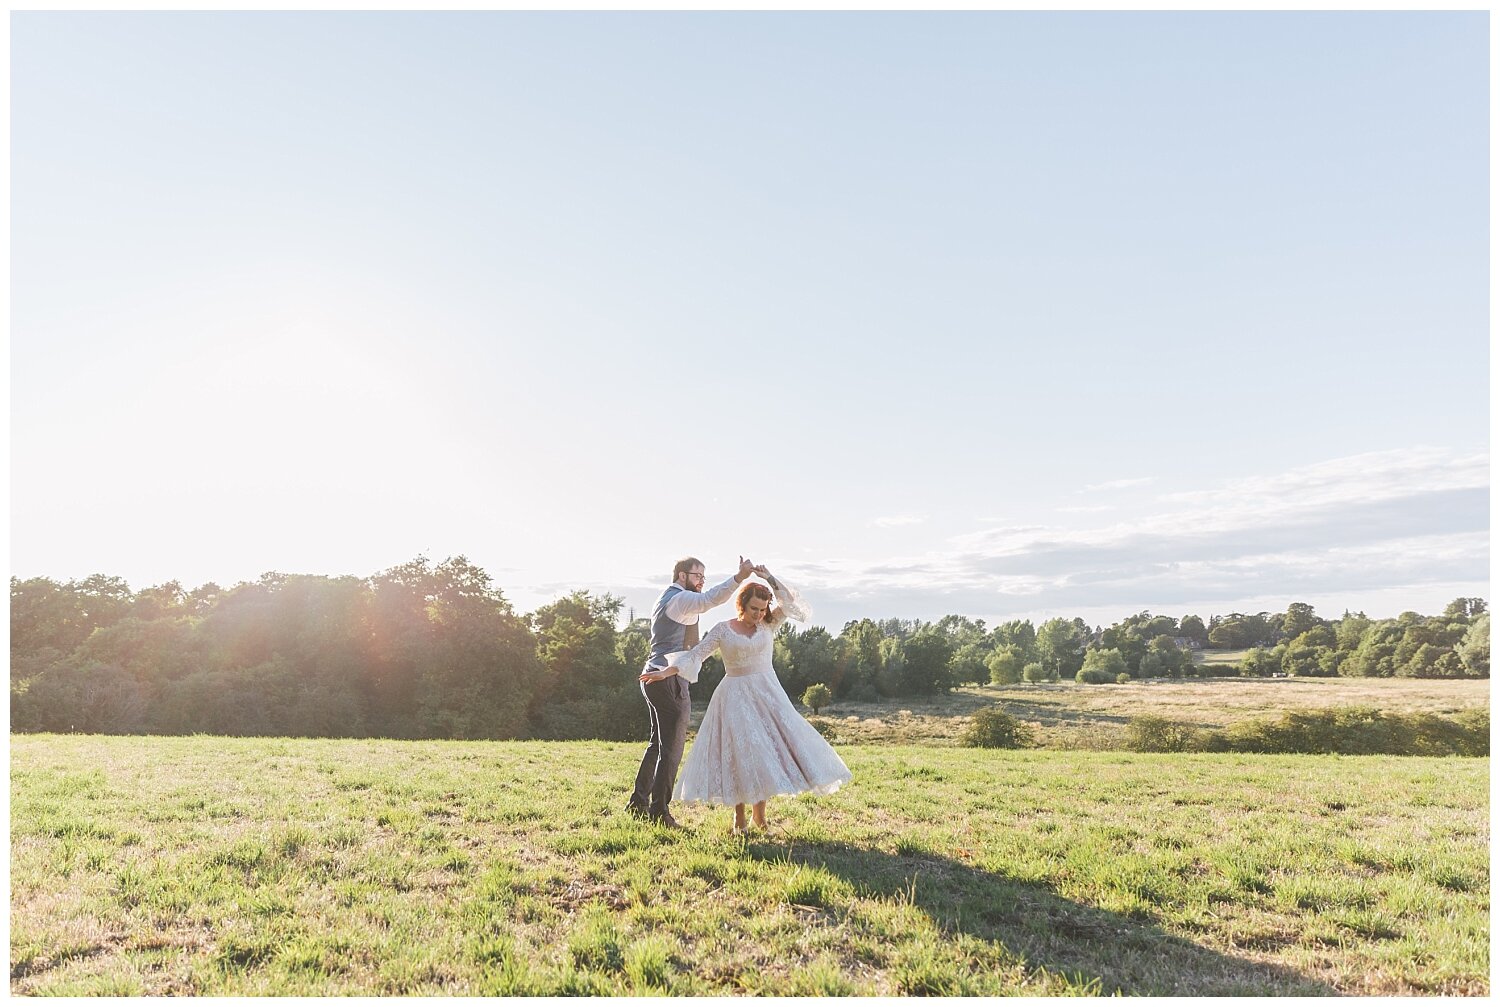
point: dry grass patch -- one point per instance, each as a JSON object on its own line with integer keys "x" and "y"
{"x": 1073, "y": 716}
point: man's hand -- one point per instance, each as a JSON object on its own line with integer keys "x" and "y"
{"x": 657, "y": 676}
{"x": 760, "y": 568}
{"x": 746, "y": 569}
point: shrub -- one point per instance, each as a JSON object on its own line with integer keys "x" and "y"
{"x": 1034, "y": 672}
{"x": 826, "y": 728}
{"x": 816, "y": 697}
{"x": 994, "y": 728}
{"x": 1360, "y": 730}
{"x": 1158, "y": 734}
{"x": 1475, "y": 723}
{"x": 1101, "y": 666}
{"x": 1122, "y": 677}
{"x": 1005, "y": 666}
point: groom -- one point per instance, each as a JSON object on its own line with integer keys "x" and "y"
{"x": 674, "y": 627}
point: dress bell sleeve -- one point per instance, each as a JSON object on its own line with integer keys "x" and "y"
{"x": 791, "y": 603}
{"x": 689, "y": 662}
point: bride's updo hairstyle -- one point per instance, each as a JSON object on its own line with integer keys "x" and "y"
{"x": 774, "y": 614}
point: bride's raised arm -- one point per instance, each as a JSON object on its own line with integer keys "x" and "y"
{"x": 689, "y": 662}
{"x": 790, "y": 604}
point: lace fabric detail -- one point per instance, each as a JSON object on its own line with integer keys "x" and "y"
{"x": 752, "y": 744}
{"x": 789, "y": 604}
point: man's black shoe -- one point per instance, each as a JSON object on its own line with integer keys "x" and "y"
{"x": 665, "y": 820}
{"x": 638, "y": 810}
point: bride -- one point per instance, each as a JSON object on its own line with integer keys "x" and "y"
{"x": 752, "y": 743}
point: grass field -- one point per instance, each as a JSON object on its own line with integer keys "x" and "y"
{"x": 1219, "y": 657}
{"x": 1070, "y": 715}
{"x": 248, "y": 866}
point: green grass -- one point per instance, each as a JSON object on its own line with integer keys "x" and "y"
{"x": 232, "y": 866}
{"x": 1220, "y": 657}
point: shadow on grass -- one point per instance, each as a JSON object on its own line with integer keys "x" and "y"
{"x": 1127, "y": 955}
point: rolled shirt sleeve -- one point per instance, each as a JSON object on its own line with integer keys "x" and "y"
{"x": 686, "y": 606}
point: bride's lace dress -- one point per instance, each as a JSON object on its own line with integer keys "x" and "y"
{"x": 752, "y": 744}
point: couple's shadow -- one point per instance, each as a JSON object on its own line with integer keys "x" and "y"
{"x": 1122, "y": 954}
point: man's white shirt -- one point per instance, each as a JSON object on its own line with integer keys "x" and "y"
{"x": 685, "y": 606}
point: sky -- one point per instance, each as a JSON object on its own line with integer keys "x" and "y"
{"x": 1006, "y": 315}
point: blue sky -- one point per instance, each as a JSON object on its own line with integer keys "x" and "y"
{"x": 1003, "y": 314}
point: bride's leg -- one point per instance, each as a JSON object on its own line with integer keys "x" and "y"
{"x": 739, "y": 818}
{"x": 760, "y": 814}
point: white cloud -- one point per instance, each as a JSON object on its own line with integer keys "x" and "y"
{"x": 1383, "y": 521}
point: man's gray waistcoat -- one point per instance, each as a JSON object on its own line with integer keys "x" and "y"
{"x": 667, "y": 634}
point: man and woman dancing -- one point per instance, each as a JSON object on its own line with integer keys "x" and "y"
{"x": 752, "y": 743}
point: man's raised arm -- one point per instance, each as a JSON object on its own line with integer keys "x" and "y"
{"x": 685, "y": 603}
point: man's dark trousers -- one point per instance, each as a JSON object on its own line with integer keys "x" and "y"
{"x": 670, "y": 708}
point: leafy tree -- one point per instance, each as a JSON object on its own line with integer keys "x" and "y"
{"x": 1299, "y": 619}
{"x": 1005, "y": 665}
{"x": 1168, "y": 658}
{"x": 160, "y": 602}
{"x": 583, "y": 685}
{"x": 1474, "y": 651}
{"x": 1302, "y": 656}
{"x": 1035, "y": 672}
{"x": 968, "y": 663}
{"x": 859, "y": 659}
{"x": 927, "y": 654}
{"x": 1192, "y": 627}
{"x": 809, "y": 656}
{"x": 816, "y": 697}
{"x": 633, "y": 644}
{"x": 1101, "y": 666}
{"x": 1464, "y": 608}
{"x": 892, "y": 666}
{"x": 151, "y": 651}
{"x": 1375, "y": 655}
{"x": 1059, "y": 644}
{"x": 1237, "y": 630}
{"x": 1261, "y": 663}
{"x": 44, "y": 615}
{"x": 1350, "y": 630}
{"x": 1018, "y": 633}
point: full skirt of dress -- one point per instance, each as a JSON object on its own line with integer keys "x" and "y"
{"x": 753, "y": 745}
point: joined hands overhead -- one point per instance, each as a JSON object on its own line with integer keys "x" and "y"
{"x": 746, "y": 569}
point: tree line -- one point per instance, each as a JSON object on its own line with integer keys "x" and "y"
{"x": 426, "y": 650}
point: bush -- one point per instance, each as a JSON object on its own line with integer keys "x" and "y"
{"x": 1158, "y": 734}
{"x": 1360, "y": 730}
{"x": 1101, "y": 666}
{"x": 1475, "y": 723}
{"x": 1005, "y": 666}
{"x": 827, "y": 728}
{"x": 1215, "y": 671}
{"x": 816, "y": 697}
{"x": 994, "y": 728}
{"x": 1122, "y": 677}
{"x": 1034, "y": 672}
